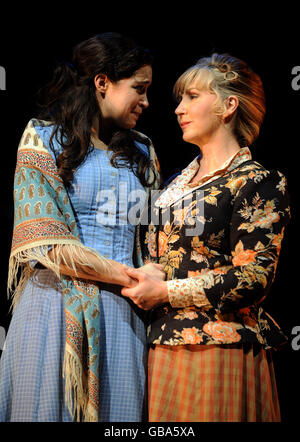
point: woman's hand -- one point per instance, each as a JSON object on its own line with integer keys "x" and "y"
{"x": 149, "y": 291}
{"x": 154, "y": 270}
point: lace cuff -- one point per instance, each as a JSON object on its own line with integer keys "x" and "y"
{"x": 187, "y": 292}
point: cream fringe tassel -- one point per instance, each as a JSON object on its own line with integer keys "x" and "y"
{"x": 78, "y": 260}
{"x": 76, "y": 388}
{"x": 76, "y": 392}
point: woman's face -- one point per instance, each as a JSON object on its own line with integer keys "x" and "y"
{"x": 123, "y": 102}
{"x": 196, "y": 115}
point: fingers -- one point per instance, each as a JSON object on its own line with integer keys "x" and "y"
{"x": 125, "y": 292}
{"x": 154, "y": 265}
{"x": 159, "y": 266}
{"x": 132, "y": 283}
{"x": 135, "y": 273}
{"x": 129, "y": 293}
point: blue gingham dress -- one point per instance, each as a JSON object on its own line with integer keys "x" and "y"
{"x": 31, "y": 383}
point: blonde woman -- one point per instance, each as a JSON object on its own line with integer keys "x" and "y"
{"x": 221, "y": 223}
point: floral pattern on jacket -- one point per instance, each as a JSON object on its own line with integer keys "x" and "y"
{"x": 219, "y": 273}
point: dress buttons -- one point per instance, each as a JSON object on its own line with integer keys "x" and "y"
{"x": 107, "y": 243}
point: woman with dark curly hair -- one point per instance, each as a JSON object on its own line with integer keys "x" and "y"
{"x": 75, "y": 349}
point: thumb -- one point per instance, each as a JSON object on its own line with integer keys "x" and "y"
{"x": 159, "y": 266}
{"x": 134, "y": 273}
{"x": 125, "y": 291}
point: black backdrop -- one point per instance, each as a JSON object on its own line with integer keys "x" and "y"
{"x": 36, "y": 38}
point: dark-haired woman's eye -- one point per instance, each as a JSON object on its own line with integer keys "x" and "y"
{"x": 141, "y": 89}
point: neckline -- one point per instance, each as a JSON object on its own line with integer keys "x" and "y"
{"x": 97, "y": 143}
{"x": 180, "y": 186}
{"x": 228, "y": 165}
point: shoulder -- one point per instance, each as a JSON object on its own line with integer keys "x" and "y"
{"x": 142, "y": 141}
{"x": 256, "y": 190}
{"x": 249, "y": 168}
{"x": 261, "y": 191}
{"x": 38, "y": 128}
{"x": 140, "y": 136}
{"x": 40, "y": 132}
{"x": 253, "y": 175}
{"x": 33, "y": 135}
{"x": 43, "y": 128}
{"x": 34, "y": 151}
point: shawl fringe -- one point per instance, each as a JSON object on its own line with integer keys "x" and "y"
{"x": 76, "y": 389}
{"x": 21, "y": 261}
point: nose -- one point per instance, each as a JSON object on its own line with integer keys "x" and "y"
{"x": 180, "y": 109}
{"x": 144, "y": 103}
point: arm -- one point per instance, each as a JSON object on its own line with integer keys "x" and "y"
{"x": 260, "y": 214}
{"x": 84, "y": 264}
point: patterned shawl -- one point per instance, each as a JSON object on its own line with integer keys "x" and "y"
{"x": 44, "y": 217}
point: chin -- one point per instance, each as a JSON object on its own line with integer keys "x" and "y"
{"x": 129, "y": 125}
{"x": 187, "y": 139}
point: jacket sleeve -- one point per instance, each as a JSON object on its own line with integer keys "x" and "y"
{"x": 260, "y": 214}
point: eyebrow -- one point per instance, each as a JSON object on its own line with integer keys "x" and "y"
{"x": 143, "y": 81}
{"x": 187, "y": 91}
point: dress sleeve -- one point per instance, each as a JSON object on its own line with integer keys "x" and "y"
{"x": 260, "y": 214}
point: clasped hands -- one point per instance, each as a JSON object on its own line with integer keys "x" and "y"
{"x": 148, "y": 287}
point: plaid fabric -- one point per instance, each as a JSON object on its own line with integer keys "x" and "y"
{"x": 211, "y": 383}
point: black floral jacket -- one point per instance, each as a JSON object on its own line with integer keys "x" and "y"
{"x": 219, "y": 241}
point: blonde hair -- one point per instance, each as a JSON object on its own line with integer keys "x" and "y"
{"x": 224, "y": 76}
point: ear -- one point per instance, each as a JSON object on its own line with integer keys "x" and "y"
{"x": 101, "y": 82}
{"x": 230, "y": 105}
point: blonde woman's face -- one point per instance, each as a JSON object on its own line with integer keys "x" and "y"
{"x": 196, "y": 115}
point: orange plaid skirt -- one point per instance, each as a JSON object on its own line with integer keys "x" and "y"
{"x": 211, "y": 383}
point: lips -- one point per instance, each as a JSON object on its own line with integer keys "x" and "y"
{"x": 183, "y": 124}
{"x": 137, "y": 114}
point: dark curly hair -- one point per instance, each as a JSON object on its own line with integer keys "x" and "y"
{"x": 69, "y": 101}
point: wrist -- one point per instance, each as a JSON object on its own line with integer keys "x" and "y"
{"x": 164, "y": 292}
{"x": 117, "y": 275}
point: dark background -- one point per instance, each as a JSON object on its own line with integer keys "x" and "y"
{"x": 36, "y": 37}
